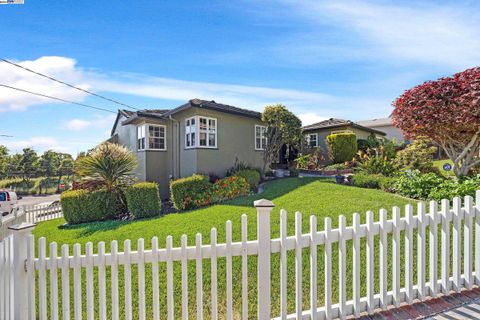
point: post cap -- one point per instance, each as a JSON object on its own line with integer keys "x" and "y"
{"x": 263, "y": 203}
{"x": 22, "y": 226}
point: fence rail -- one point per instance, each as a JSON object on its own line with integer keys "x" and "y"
{"x": 375, "y": 258}
{"x": 30, "y": 214}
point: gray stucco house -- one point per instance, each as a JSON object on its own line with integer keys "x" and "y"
{"x": 197, "y": 137}
{"x": 316, "y": 134}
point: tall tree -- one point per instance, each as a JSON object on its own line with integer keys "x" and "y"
{"x": 448, "y": 112}
{"x": 28, "y": 163}
{"x": 3, "y": 161}
{"x": 283, "y": 127}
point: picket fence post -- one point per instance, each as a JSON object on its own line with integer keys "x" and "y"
{"x": 264, "y": 208}
{"x": 21, "y": 233}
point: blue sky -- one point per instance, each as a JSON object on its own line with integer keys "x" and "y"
{"x": 344, "y": 58}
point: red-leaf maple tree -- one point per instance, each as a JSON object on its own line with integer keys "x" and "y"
{"x": 447, "y": 111}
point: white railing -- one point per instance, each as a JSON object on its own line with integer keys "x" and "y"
{"x": 154, "y": 283}
{"x": 30, "y": 214}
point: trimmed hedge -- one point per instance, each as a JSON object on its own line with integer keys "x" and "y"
{"x": 374, "y": 181}
{"x": 342, "y": 146}
{"x": 143, "y": 199}
{"x": 190, "y": 192}
{"x": 81, "y": 206}
{"x": 251, "y": 175}
{"x": 229, "y": 188}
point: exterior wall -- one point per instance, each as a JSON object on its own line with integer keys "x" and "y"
{"x": 235, "y": 141}
{"x": 153, "y": 165}
{"x": 392, "y": 132}
{"x": 323, "y": 133}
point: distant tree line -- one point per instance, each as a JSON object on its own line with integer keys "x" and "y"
{"x": 29, "y": 164}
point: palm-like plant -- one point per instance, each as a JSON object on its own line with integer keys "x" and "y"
{"x": 108, "y": 163}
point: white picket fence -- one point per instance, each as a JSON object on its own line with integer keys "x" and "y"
{"x": 30, "y": 214}
{"x": 114, "y": 285}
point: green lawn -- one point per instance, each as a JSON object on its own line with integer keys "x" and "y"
{"x": 307, "y": 195}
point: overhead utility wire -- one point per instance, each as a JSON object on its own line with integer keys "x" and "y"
{"x": 55, "y": 98}
{"x": 67, "y": 84}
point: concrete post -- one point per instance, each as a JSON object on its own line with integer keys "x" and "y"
{"x": 20, "y": 233}
{"x": 264, "y": 208}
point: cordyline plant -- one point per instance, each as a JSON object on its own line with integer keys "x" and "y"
{"x": 108, "y": 163}
{"x": 448, "y": 112}
{"x": 283, "y": 127}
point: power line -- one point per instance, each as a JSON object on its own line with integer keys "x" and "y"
{"x": 67, "y": 84}
{"x": 58, "y": 99}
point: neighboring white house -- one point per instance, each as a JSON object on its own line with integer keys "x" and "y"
{"x": 385, "y": 125}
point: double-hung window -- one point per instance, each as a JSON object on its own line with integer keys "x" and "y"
{"x": 200, "y": 132}
{"x": 260, "y": 137}
{"x": 151, "y": 137}
{"x": 312, "y": 140}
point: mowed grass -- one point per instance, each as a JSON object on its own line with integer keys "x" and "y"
{"x": 310, "y": 196}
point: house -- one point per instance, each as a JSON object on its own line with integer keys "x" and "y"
{"x": 317, "y": 133}
{"x": 197, "y": 137}
{"x": 385, "y": 125}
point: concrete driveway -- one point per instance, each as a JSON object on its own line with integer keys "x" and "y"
{"x": 35, "y": 200}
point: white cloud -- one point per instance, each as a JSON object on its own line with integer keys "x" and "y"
{"x": 39, "y": 143}
{"x": 99, "y": 122}
{"x": 431, "y": 34}
{"x": 310, "y": 118}
{"x": 61, "y": 67}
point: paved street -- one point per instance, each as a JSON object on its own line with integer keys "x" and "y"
{"x": 34, "y": 200}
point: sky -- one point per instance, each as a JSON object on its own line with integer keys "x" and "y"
{"x": 322, "y": 59}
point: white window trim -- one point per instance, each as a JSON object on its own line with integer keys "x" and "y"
{"x": 197, "y": 133}
{"x": 147, "y": 136}
{"x": 316, "y": 141}
{"x": 262, "y": 147}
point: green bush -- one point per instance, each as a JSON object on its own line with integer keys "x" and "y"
{"x": 449, "y": 189}
{"x": 229, "y": 188}
{"x": 379, "y": 165}
{"x": 417, "y": 156}
{"x": 417, "y": 185}
{"x": 81, "y": 206}
{"x": 190, "y": 192}
{"x": 365, "y": 180}
{"x": 374, "y": 181}
{"x": 342, "y": 146}
{"x": 143, "y": 199}
{"x": 251, "y": 175}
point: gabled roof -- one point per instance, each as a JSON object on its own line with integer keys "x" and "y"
{"x": 212, "y": 105}
{"x": 165, "y": 113}
{"x": 335, "y": 123}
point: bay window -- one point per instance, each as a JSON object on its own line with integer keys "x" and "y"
{"x": 206, "y": 128}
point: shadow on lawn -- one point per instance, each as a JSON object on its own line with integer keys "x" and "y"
{"x": 273, "y": 190}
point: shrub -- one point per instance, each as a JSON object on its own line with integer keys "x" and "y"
{"x": 417, "y": 185}
{"x": 229, "y": 188}
{"x": 81, "y": 206}
{"x": 453, "y": 188}
{"x": 143, "y": 199}
{"x": 190, "y": 192}
{"x": 251, "y": 176}
{"x": 417, "y": 156}
{"x": 388, "y": 184}
{"x": 379, "y": 165}
{"x": 342, "y": 146}
{"x": 365, "y": 180}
